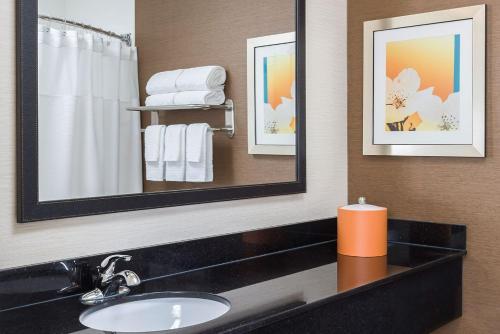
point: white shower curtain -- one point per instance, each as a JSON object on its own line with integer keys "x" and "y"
{"x": 88, "y": 144}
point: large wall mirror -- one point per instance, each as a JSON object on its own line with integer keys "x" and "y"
{"x": 139, "y": 104}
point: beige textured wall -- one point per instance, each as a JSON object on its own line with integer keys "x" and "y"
{"x": 448, "y": 190}
{"x": 326, "y": 156}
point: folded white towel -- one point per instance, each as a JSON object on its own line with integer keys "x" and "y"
{"x": 175, "y": 153}
{"x": 154, "y": 141}
{"x": 187, "y": 97}
{"x": 199, "y": 153}
{"x": 160, "y": 100}
{"x": 198, "y": 78}
{"x": 200, "y": 97}
{"x": 201, "y": 78}
{"x": 163, "y": 82}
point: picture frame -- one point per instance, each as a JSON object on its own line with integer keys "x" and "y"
{"x": 271, "y": 75}
{"x": 424, "y": 84}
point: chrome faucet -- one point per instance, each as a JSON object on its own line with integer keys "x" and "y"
{"x": 111, "y": 285}
{"x": 107, "y": 268}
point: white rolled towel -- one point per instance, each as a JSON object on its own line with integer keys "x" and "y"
{"x": 201, "y": 78}
{"x": 163, "y": 82}
{"x": 187, "y": 97}
{"x": 160, "y": 100}
{"x": 197, "y": 79}
{"x": 200, "y": 97}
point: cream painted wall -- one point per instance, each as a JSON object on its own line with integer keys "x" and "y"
{"x": 114, "y": 15}
{"x": 326, "y": 158}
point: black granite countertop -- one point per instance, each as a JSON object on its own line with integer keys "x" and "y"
{"x": 261, "y": 289}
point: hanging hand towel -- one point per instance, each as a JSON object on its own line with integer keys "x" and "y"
{"x": 163, "y": 82}
{"x": 154, "y": 141}
{"x": 175, "y": 153}
{"x": 199, "y": 153}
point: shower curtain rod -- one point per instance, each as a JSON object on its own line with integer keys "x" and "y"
{"x": 127, "y": 38}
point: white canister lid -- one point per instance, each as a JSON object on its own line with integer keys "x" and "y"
{"x": 362, "y": 206}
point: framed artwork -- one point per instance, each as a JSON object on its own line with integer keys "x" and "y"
{"x": 271, "y": 74}
{"x": 424, "y": 84}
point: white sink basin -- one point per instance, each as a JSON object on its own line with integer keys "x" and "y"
{"x": 155, "y": 312}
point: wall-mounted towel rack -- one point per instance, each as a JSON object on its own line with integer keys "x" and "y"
{"x": 228, "y": 106}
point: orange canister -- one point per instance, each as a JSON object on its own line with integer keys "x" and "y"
{"x": 362, "y": 230}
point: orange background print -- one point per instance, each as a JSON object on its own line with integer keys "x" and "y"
{"x": 280, "y": 75}
{"x": 433, "y": 58}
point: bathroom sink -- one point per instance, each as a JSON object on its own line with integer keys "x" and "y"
{"x": 155, "y": 312}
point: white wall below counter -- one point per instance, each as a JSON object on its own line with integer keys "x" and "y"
{"x": 326, "y": 165}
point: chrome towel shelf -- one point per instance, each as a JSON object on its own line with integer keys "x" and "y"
{"x": 228, "y": 107}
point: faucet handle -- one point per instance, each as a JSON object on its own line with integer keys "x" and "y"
{"x": 112, "y": 259}
{"x": 131, "y": 278}
{"x": 107, "y": 267}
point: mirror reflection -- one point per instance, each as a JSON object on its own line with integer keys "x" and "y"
{"x": 164, "y": 95}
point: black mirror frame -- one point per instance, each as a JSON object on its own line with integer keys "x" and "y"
{"x": 29, "y": 209}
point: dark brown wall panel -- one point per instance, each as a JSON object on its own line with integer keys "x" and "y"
{"x": 450, "y": 190}
{"x": 175, "y": 34}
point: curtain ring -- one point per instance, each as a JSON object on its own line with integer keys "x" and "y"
{"x": 64, "y": 27}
